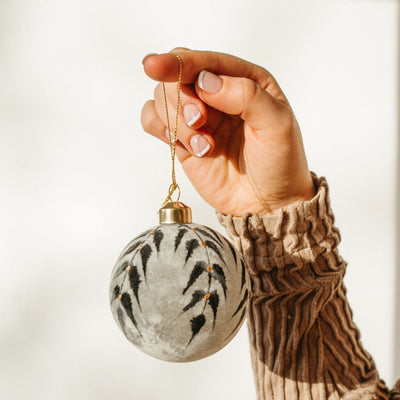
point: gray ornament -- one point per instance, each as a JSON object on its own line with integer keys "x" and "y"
{"x": 179, "y": 292}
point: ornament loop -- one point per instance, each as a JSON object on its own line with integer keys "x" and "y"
{"x": 171, "y": 190}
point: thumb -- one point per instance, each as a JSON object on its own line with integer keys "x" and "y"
{"x": 242, "y": 97}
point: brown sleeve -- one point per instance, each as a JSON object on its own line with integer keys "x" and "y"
{"x": 304, "y": 344}
{"x": 395, "y": 393}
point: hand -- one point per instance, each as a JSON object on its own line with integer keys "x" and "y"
{"x": 239, "y": 141}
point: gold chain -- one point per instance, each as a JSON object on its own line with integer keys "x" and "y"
{"x": 173, "y": 138}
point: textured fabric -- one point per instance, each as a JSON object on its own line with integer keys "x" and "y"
{"x": 396, "y": 391}
{"x": 304, "y": 344}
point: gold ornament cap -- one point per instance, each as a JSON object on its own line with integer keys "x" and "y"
{"x": 175, "y": 212}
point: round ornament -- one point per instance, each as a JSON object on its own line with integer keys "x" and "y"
{"x": 179, "y": 291}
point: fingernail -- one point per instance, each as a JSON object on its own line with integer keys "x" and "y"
{"x": 199, "y": 145}
{"x": 191, "y": 114}
{"x": 147, "y": 56}
{"x": 167, "y": 135}
{"x": 209, "y": 82}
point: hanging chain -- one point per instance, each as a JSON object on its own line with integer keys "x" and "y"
{"x": 172, "y": 137}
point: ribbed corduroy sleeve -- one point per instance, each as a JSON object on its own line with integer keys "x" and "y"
{"x": 304, "y": 344}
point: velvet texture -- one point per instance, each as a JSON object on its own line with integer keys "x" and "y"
{"x": 304, "y": 344}
{"x": 179, "y": 292}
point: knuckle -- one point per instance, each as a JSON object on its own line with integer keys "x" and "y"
{"x": 250, "y": 89}
{"x": 288, "y": 121}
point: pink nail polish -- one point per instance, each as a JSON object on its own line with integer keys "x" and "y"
{"x": 191, "y": 114}
{"x": 209, "y": 82}
{"x": 199, "y": 145}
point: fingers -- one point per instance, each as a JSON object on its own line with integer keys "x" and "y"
{"x": 192, "y": 115}
{"x": 152, "y": 124}
{"x": 228, "y": 85}
{"x": 196, "y": 142}
{"x": 192, "y": 110}
{"x": 165, "y": 67}
{"x": 245, "y": 98}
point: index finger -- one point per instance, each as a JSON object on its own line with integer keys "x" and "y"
{"x": 165, "y": 68}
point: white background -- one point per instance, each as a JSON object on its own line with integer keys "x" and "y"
{"x": 79, "y": 178}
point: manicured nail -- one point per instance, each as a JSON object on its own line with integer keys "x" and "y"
{"x": 199, "y": 145}
{"x": 191, "y": 114}
{"x": 167, "y": 135}
{"x": 147, "y": 56}
{"x": 209, "y": 82}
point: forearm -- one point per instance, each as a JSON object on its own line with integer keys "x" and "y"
{"x": 304, "y": 344}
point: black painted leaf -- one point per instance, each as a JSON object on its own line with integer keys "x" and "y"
{"x": 198, "y": 269}
{"x": 145, "y": 253}
{"x": 116, "y": 292}
{"x": 191, "y": 245}
{"x": 218, "y": 273}
{"x": 211, "y": 235}
{"x": 121, "y": 319}
{"x": 121, "y": 268}
{"x": 157, "y": 237}
{"x": 212, "y": 246}
{"x": 197, "y": 323}
{"x": 242, "y": 303}
{"x": 131, "y": 248}
{"x": 213, "y": 301}
{"x": 237, "y": 325}
{"x": 197, "y": 296}
{"x": 127, "y": 304}
{"x": 179, "y": 237}
{"x": 135, "y": 281}
{"x": 243, "y": 275}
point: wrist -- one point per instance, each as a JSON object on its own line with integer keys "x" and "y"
{"x": 295, "y": 234}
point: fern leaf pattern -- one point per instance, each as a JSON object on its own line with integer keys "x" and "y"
{"x": 121, "y": 319}
{"x": 198, "y": 269}
{"x": 218, "y": 273}
{"x": 213, "y": 301}
{"x": 212, "y": 246}
{"x": 134, "y": 244}
{"x": 127, "y": 304}
{"x": 242, "y": 303}
{"x": 116, "y": 292}
{"x": 197, "y": 296}
{"x": 134, "y": 280}
{"x": 178, "y": 239}
{"x": 157, "y": 238}
{"x": 211, "y": 242}
{"x": 196, "y": 324}
{"x": 122, "y": 268}
{"x": 145, "y": 253}
{"x": 207, "y": 265}
{"x": 191, "y": 245}
{"x": 211, "y": 235}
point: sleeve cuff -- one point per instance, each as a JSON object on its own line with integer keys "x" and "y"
{"x": 295, "y": 234}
